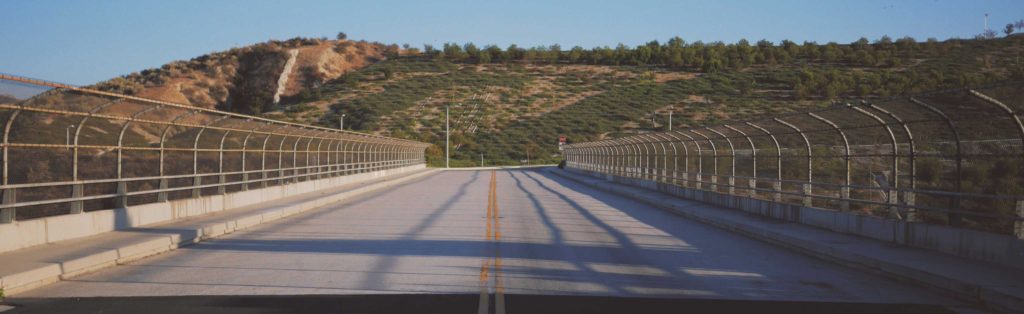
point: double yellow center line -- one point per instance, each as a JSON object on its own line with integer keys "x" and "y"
{"x": 493, "y": 236}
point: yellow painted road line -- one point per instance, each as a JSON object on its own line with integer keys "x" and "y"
{"x": 484, "y": 306}
{"x": 492, "y": 235}
{"x": 499, "y": 294}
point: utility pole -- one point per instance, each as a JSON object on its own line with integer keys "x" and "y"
{"x": 481, "y": 159}
{"x": 67, "y": 137}
{"x": 670, "y": 110}
{"x": 341, "y": 122}
{"x": 446, "y": 137}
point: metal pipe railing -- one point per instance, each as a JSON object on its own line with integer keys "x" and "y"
{"x": 879, "y": 146}
{"x": 139, "y": 132}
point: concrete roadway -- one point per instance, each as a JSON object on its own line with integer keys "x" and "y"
{"x": 431, "y": 235}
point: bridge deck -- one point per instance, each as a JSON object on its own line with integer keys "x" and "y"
{"x": 432, "y": 236}
{"x": 54, "y": 259}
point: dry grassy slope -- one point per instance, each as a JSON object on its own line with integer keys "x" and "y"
{"x": 486, "y": 106}
{"x": 503, "y": 105}
{"x": 208, "y": 81}
{"x": 544, "y": 88}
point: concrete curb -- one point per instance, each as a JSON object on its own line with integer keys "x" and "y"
{"x": 960, "y": 288}
{"x": 161, "y": 243}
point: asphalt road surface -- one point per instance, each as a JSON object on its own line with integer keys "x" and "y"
{"x": 503, "y": 235}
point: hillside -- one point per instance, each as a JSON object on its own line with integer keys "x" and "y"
{"x": 512, "y": 104}
{"x": 250, "y": 79}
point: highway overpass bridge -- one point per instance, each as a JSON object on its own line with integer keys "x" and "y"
{"x": 122, "y": 204}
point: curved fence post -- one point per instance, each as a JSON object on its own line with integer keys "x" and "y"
{"x": 731, "y": 181}
{"x": 280, "y": 159}
{"x": 581, "y": 157}
{"x": 953, "y": 217}
{"x": 892, "y": 190}
{"x": 344, "y": 158}
{"x": 645, "y": 160}
{"x": 1006, "y": 109}
{"x": 585, "y": 156}
{"x": 612, "y": 156}
{"x": 844, "y": 191}
{"x": 164, "y": 184}
{"x": 698, "y": 179}
{"x": 318, "y": 174}
{"x": 353, "y": 156}
{"x": 664, "y": 154}
{"x": 367, "y": 153}
{"x": 221, "y": 178}
{"x": 777, "y": 183}
{"x": 642, "y": 164}
{"x": 197, "y": 180}
{"x": 714, "y": 163}
{"x": 122, "y": 187}
{"x": 752, "y": 182}
{"x": 1019, "y": 206}
{"x": 609, "y": 155}
{"x": 390, "y": 155}
{"x": 307, "y": 173}
{"x": 806, "y": 188}
{"x": 569, "y": 156}
{"x": 622, "y": 157}
{"x": 650, "y": 139}
{"x": 907, "y": 198}
{"x": 331, "y": 148}
{"x": 643, "y": 155}
{"x": 360, "y": 157}
{"x": 675, "y": 154}
{"x": 78, "y": 190}
{"x": 245, "y": 148}
{"x": 371, "y": 157}
{"x": 381, "y": 156}
{"x": 609, "y": 159}
{"x": 675, "y": 159}
{"x": 295, "y": 156}
{"x": 626, "y": 156}
{"x": 600, "y": 157}
{"x": 686, "y": 157}
{"x": 8, "y": 215}
{"x": 263, "y": 158}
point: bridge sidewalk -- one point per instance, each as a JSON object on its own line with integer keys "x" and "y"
{"x": 991, "y": 284}
{"x": 29, "y": 268}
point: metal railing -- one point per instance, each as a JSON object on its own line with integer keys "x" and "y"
{"x": 954, "y": 157}
{"x": 68, "y": 149}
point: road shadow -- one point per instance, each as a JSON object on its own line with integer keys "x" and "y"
{"x": 444, "y": 303}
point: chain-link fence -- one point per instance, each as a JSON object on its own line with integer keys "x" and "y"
{"x": 68, "y": 149}
{"x": 953, "y": 157}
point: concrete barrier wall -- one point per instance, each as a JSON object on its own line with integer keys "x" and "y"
{"x": 973, "y": 244}
{"x": 28, "y": 233}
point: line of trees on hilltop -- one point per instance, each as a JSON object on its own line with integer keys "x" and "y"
{"x": 707, "y": 57}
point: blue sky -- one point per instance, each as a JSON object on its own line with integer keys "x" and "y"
{"x": 82, "y": 42}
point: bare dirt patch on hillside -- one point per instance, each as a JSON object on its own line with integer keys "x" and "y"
{"x": 662, "y": 77}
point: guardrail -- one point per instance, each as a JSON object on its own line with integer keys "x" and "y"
{"x": 68, "y": 149}
{"x": 953, "y": 157}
